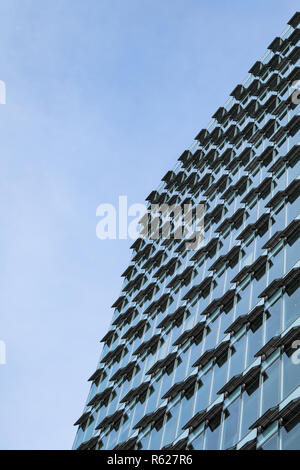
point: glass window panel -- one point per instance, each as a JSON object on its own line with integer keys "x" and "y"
{"x": 212, "y": 435}
{"x": 90, "y": 428}
{"x": 152, "y": 397}
{"x": 156, "y": 435}
{"x": 197, "y": 443}
{"x": 101, "y": 411}
{"x": 242, "y": 305}
{"x": 113, "y": 402}
{"x": 273, "y": 320}
{"x": 176, "y": 331}
{"x": 195, "y": 348}
{"x": 105, "y": 440}
{"x": 278, "y": 220}
{"x": 290, "y": 434}
{"x": 171, "y": 424}
{"x": 232, "y": 268}
{"x": 280, "y": 181}
{"x": 79, "y": 437}
{"x": 186, "y": 409}
{"x": 113, "y": 434}
{"x": 144, "y": 442}
{"x": 211, "y": 334}
{"x": 271, "y": 444}
{"x": 202, "y": 394}
{"x": 230, "y": 431}
{"x": 218, "y": 286}
{"x": 261, "y": 238}
{"x": 270, "y": 396}
{"x": 258, "y": 284}
{"x": 250, "y": 399}
{"x": 164, "y": 347}
{"x": 139, "y": 408}
{"x": 237, "y": 357}
{"x": 219, "y": 375}
{"x": 224, "y": 245}
{"x": 181, "y": 368}
{"x": 248, "y": 254}
{"x": 294, "y": 169}
{"x": 291, "y": 304}
{"x": 226, "y": 320}
{"x": 167, "y": 379}
{"x": 276, "y": 266}
{"x": 292, "y": 251}
{"x": 136, "y": 378}
{"x": 255, "y": 339}
{"x": 204, "y": 299}
{"x": 291, "y": 378}
{"x": 292, "y": 207}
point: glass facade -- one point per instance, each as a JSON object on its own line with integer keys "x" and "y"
{"x": 201, "y": 349}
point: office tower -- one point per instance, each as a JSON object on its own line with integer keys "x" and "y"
{"x": 202, "y": 349}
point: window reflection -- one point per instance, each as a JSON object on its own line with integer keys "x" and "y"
{"x": 219, "y": 375}
{"x": 255, "y": 338}
{"x": 292, "y": 251}
{"x": 156, "y": 435}
{"x": 270, "y": 386}
{"x": 250, "y": 401}
{"x": 171, "y": 424}
{"x": 231, "y": 419}
{"x": 212, "y": 434}
{"x": 202, "y": 395}
{"x": 291, "y": 304}
{"x": 186, "y": 409}
{"x": 273, "y": 320}
{"x": 290, "y": 434}
{"x": 197, "y": 443}
{"x": 271, "y": 444}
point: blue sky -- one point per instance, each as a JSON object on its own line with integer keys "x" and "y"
{"x": 102, "y": 98}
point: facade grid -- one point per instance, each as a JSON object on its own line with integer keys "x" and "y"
{"x": 201, "y": 352}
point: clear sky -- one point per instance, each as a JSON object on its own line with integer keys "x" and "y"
{"x": 102, "y": 98}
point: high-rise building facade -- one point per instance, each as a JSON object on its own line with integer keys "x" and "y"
{"x": 202, "y": 351}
